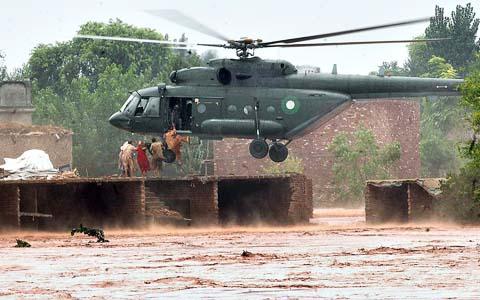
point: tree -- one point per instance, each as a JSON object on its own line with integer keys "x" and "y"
{"x": 357, "y": 158}
{"x": 437, "y": 67}
{"x": 441, "y": 125}
{"x": 78, "y": 84}
{"x": 461, "y": 192}
{"x": 3, "y": 68}
{"x": 460, "y": 48}
{"x": 208, "y": 55}
{"x": 391, "y": 69}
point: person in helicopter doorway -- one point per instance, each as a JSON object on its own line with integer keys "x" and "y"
{"x": 175, "y": 116}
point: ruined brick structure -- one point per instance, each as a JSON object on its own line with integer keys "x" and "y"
{"x": 402, "y": 200}
{"x": 390, "y": 120}
{"x": 65, "y": 203}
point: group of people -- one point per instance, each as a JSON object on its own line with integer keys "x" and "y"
{"x": 130, "y": 156}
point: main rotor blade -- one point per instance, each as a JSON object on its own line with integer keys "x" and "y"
{"x": 177, "y": 45}
{"x": 179, "y": 18}
{"x": 356, "y": 43}
{"x": 325, "y": 35}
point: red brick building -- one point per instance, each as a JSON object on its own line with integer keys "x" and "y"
{"x": 390, "y": 120}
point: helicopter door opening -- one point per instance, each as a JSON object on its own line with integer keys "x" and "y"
{"x": 180, "y": 113}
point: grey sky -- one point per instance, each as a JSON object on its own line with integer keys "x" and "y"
{"x": 26, "y": 23}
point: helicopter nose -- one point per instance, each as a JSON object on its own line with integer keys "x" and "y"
{"x": 119, "y": 120}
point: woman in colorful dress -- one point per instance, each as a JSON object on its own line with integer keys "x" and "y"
{"x": 142, "y": 158}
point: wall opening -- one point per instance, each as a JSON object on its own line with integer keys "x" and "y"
{"x": 386, "y": 204}
{"x": 247, "y": 201}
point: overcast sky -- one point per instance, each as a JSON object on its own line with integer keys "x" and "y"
{"x": 27, "y": 23}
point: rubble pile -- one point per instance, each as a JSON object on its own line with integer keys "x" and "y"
{"x": 163, "y": 212}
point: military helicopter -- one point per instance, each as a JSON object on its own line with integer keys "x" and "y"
{"x": 267, "y": 101}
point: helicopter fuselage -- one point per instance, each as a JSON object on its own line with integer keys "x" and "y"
{"x": 254, "y": 98}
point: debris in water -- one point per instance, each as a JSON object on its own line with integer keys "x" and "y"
{"x": 98, "y": 233}
{"x": 22, "y": 244}
{"x": 246, "y": 253}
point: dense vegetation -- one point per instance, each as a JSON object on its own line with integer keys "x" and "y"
{"x": 442, "y": 118}
{"x": 78, "y": 84}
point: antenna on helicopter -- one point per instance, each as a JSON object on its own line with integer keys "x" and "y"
{"x": 334, "y": 69}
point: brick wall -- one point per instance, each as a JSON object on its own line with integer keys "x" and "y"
{"x": 420, "y": 204}
{"x": 385, "y": 204}
{"x": 301, "y": 208}
{"x": 390, "y": 120}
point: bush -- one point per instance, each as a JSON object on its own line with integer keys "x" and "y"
{"x": 357, "y": 158}
{"x": 292, "y": 164}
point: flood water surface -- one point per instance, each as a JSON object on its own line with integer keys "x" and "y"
{"x": 338, "y": 256}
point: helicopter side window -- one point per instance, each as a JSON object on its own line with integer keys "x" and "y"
{"x": 152, "y": 108}
{"x": 141, "y": 106}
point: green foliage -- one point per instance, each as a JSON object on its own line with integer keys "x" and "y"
{"x": 16, "y": 74}
{"x": 3, "y": 68}
{"x": 418, "y": 57}
{"x": 459, "y": 51}
{"x": 459, "y": 198}
{"x": 208, "y": 55}
{"x": 193, "y": 156}
{"x": 441, "y": 125}
{"x": 437, "y": 67}
{"x": 357, "y": 158}
{"x": 392, "y": 69}
{"x": 79, "y": 84}
{"x": 292, "y": 164}
{"x": 94, "y": 232}
{"x": 461, "y": 193}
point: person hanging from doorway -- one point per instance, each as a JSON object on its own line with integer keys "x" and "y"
{"x": 142, "y": 158}
{"x": 174, "y": 142}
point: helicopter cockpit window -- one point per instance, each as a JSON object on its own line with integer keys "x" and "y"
{"x": 141, "y": 107}
{"x": 152, "y": 108}
{"x": 131, "y": 104}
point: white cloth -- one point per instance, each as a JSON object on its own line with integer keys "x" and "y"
{"x": 32, "y": 163}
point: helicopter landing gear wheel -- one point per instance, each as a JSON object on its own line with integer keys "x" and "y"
{"x": 278, "y": 152}
{"x": 169, "y": 156}
{"x": 258, "y": 148}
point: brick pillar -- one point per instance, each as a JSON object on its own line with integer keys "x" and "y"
{"x": 204, "y": 202}
{"x": 301, "y": 205}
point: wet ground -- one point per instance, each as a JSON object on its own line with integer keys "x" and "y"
{"x": 336, "y": 257}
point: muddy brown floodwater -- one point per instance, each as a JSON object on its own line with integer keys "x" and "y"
{"x": 338, "y": 256}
